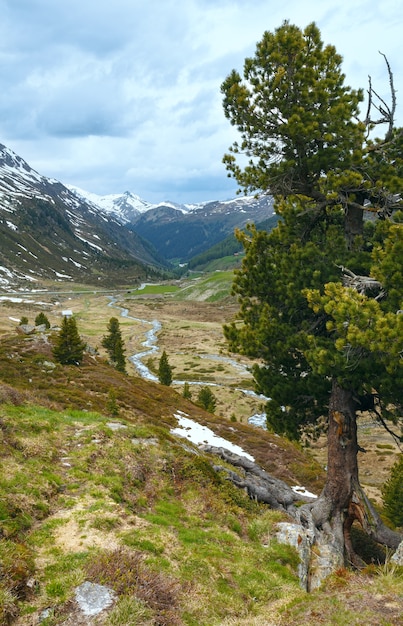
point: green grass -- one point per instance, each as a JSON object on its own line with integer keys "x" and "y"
{"x": 156, "y": 289}
{"x": 189, "y": 534}
{"x": 211, "y": 287}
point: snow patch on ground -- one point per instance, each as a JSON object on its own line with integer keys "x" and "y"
{"x": 303, "y": 492}
{"x": 201, "y": 435}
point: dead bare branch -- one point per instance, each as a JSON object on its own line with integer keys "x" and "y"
{"x": 375, "y": 101}
{"x": 362, "y": 284}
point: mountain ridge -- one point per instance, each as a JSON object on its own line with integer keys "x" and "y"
{"x": 52, "y": 231}
{"x": 48, "y": 233}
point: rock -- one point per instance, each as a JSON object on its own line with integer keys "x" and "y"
{"x": 25, "y": 329}
{"x": 48, "y": 365}
{"x": 93, "y": 598}
{"x": 301, "y": 539}
{"x": 325, "y": 560}
{"x": 398, "y": 555}
{"x": 145, "y": 441}
{"x": 115, "y": 425}
{"x": 315, "y": 564}
{"x": 44, "y": 615}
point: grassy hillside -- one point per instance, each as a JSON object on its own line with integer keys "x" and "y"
{"x": 94, "y": 486}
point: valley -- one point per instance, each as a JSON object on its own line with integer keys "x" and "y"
{"x": 111, "y": 495}
{"x": 191, "y": 322}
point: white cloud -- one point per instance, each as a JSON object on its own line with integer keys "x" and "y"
{"x": 125, "y": 95}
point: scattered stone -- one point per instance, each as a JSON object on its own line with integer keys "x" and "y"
{"x": 146, "y": 441}
{"x": 115, "y": 425}
{"x": 44, "y": 615}
{"x": 26, "y": 329}
{"x": 93, "y": 599}
{"x": 398, "y": 555}
{"x": 49, "y": 365}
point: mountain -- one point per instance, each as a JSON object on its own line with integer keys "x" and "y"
{"x": 221, "y": 255}
{"x": 125, "y": 207}
{"x": 181, "y": 231}
{"x": 48, "y": 232}
{"x": 182, "y": 235}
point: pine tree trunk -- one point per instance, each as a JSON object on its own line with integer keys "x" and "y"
{"x": 342, "y": 501}
{"x": 353, "y": 224}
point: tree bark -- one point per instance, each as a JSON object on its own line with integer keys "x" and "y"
{"x": 353, "y": 224}
{"x": 343, "y": 501}
{"x": 328, "y": 519}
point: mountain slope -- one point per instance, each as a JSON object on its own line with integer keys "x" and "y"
{"x": 120, "y": 500}
{"x": 181, "y": 231}
{"x": 47, "y": 232}
{"x": 179, "y": 235}
{"x": 125, "y": 207}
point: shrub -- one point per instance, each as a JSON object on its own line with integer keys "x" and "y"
{"x": 16, "y": 567}
{"x": 126, "y": 572}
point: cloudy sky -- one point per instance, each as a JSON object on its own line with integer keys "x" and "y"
{"x": 116, "y": 95}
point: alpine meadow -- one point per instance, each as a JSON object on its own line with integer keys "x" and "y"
{"x": 201, "y": 403}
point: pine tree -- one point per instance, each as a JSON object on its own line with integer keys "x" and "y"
{"x": 111, "y": 405}
{"x": 393, "y": 494}
{"x": 186, "y": 391}
{"x": 164, "y": 370}
{"x": 69, "y": 348}
{"x": 113, "y": 343}
{"x": 207, "y": 399}
{"x": 40, "y": 319}
{"x": 321, "y": 295}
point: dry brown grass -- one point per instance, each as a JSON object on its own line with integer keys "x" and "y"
{"x": 127, "y": 573}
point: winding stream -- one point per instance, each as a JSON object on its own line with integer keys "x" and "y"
{"x": 150, "y": 345}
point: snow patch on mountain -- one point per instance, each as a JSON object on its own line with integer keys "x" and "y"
{"x": 123, "y": 206}
{"x": 127, "y": 206}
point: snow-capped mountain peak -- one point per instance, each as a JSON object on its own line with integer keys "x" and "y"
{"x": 124, "y": 206}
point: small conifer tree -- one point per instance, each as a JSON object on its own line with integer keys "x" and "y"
{"x": 112, "y": 405}
{"x": 69, "y": 348}
{"x": 207, "y": 399}
{"x": 164, "y": 370}
{"x": 186, "y": 391}
{"x": 113, "y": 343}
{"x": 393, "y": 494}
{"x": 40, "y": 319}
{"x": 24, "y": 320}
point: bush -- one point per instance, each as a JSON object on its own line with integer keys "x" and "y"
{"x": 16, "y": 567}
{"x": 393, "y": 494}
